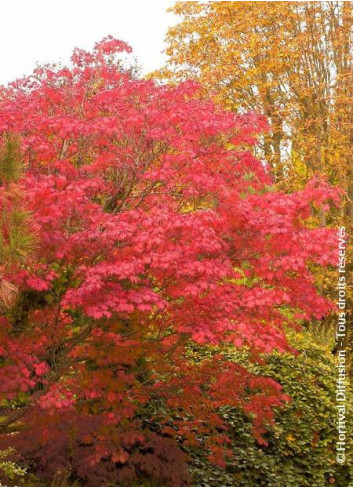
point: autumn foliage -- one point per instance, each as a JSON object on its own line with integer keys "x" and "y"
{"x": 293, "y": 63}
{"x": 156, "y": 230}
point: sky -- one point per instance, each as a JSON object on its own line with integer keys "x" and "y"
{"x": 40, "y": 31}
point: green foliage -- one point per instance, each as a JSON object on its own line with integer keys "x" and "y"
{"x": 301, "y": 446}
{"x": 9, "y": 470}
{"x": 10, "y": 159}
{"x": 17, "y": 242}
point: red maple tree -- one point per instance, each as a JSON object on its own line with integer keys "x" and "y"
{"x": 157, "y": 230}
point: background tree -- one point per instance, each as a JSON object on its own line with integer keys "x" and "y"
{"x": 291, "y": 61}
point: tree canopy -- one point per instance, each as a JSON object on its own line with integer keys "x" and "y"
{"x": 156, "y": 228}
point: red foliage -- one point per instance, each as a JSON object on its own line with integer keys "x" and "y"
{"x": 157, "y": 227}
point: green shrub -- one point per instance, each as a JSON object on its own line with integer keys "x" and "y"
{"x": 301, "y": 446}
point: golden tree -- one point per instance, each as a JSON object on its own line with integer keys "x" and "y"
{"x": 291, "y": 61}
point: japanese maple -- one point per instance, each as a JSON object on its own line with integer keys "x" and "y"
{"x": 157, "y": 230}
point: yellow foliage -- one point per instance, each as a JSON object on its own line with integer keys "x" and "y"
{"x": 291, "y": 61}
